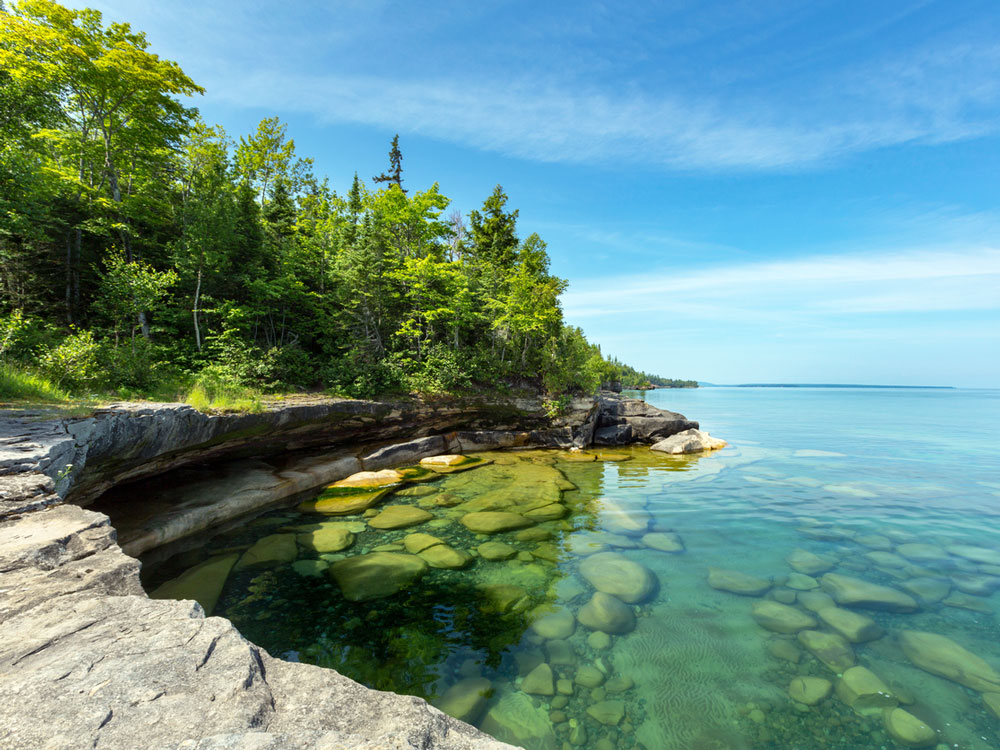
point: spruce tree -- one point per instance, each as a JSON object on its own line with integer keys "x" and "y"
{"x": 395, "y": 173}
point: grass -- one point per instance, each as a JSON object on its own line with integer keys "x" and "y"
{"x": 208, "y": 399}
{"x": 22, "y": 385}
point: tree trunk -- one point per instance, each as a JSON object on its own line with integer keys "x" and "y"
{"x": 197, "y": 293}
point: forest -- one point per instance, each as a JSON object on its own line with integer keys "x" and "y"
{"x": 146, "y": 253}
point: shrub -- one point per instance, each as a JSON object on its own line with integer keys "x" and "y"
{"x": 73, "y": 364}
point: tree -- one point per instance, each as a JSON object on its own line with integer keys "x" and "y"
{"x": 267, "y": 156}
{"x": 395, "y": 174}
{"x": 494, "y": 231}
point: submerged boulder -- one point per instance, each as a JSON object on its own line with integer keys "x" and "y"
{"x": 805, "y": 562}
{"x": 492, "y": 522}
{"x": 907, "y": 729}
{"x": 515, "y": 719}
{"x": 466, "y": 699}
{"x": 331, "y": 537}
{"x": 830, "y": 648}
{"x": 855, "y": 627}
{"x": 664, "y": 541}
{"x": 736, "y": 582}
{"x": 780, "y": 618}
{"x": 399, "y": 517}
{"x": 606, "y": 613}
{"x": 203, "y": 583}
{"x": 809, "y": 690}
{"x": 864, "y": 691}
{"x": 271, "y": 550}
{"x": 940, "y": 655}
{"x": 615, "y": 574}
{"x": 854, "y": 592}
{"x": 376, "y": 575}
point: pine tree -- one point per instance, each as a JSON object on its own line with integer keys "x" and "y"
{"x": 395, "y": 173}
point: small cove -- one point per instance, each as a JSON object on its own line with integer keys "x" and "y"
{"x": 841, "y": 474}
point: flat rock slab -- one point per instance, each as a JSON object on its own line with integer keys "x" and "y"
{"x": 376, "y": 575}
{"x": 493, "y": 522}
{"x": 399, "y": 517}
{"x": 854, "y": 592}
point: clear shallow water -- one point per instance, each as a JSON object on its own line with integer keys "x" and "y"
{"x": 840, "y": 473}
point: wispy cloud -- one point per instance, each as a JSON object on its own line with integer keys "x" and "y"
{"x": 807, "y": 289}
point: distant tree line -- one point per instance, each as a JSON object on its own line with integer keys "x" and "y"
{"x": 141, "y": 248}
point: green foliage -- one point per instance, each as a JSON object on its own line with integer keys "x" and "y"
{"x": 121, "y": 213}
{"x": 22, "y": 385}
{"x": 215, "y": 390}
{"x": 74, "y": 362}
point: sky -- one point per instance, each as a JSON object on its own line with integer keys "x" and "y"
{"x": 737, "y": 191}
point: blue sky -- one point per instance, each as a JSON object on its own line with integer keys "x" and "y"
{"x": 745, "y": 191}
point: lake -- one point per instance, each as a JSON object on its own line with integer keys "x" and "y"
{"x": 827, "y": 580}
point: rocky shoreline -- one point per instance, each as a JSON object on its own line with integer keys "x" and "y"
{"x": 88, "y": 660}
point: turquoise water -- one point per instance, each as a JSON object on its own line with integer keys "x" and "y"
{"x": 855, "y": 476}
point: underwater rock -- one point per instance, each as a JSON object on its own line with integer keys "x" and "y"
{"x": 785, "y": 650}
{"x": 443, "y": 556}
{"x": 516, "y": 720}
{"x": 887, "y": 559}
{"x": 599, "y": 640}
{"x": 619, "y": 684}
{"x": 975, "y": 584}
{"x": 864, "y": 691}
{"x": 615, "y": 574}
{"x": 560, "y": 653}
{"x": 547, "y": 551}
{"x": 689, "y": 441}
{"x": 907, "y": 729}
{"x": 399, "y": 517}
{"x": 940, "y": 655}
{"x": 581, "y": 545}
{"x": 992, "y": 703}
{"x": 539, "y": 681}
{"x": 919, "y": 552}
{"x": 829, "y": 648}
{"x": 855, "y": 627}
{"x": 342, "y": 501}
{"x": 982, "y": 555}
{"x": 418, "y": 542}
{"x": 550, "y": 512}
{"x": 801, "y": 582}
{"x": 495, "y": 551}
{"x": 329, "y": 537}
{"x": 555, "y": 625}
{"x": 203, "y": 583}
{"x": 663, "y": 541}
{"x": 376, "y": 575}
{"x": 588, "y": 676}
{"x": 619, "y": 518}
{"x": 606, "y": 613}
{"x": 533, "y": 535}
{"x": 269, "y": 551}
{"x": 500, "y": 597}
{"x": 310, "y": 568}
{"x": 807, "y": 563}
{"x": 780, "y": 618}
{"x": 963, "y": 601}
{"x": 809, "y": 690}
{"x": 609, "y": 713}
{"x": 466, "y": 699}
{"x": 492, "y": 522}
{"x": 783, "y": 595}
{"x": 420, "y": 490}
{"x": 619, "y": 540}
{"x": 875, "y": 541}
{"x": 854, "y": 592}
{"x": 927, "y": 590}
{"x": 736, "y": 582}
{"x": 564, "y": 687}
{"x": 814, "y": 601}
